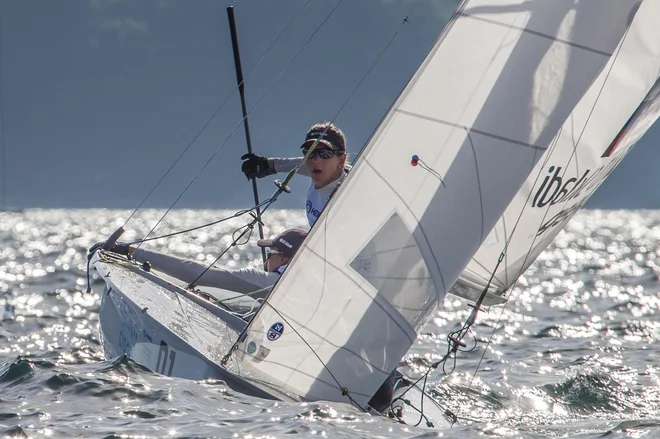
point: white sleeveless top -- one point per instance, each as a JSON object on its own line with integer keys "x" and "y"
{"x": 318, "y": 198}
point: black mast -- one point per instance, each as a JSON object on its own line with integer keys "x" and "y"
{"x": 241, "y": 90}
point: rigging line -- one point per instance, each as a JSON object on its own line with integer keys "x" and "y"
{"x": 252, "y": 70}
{"x": 235, "y": 215}
{"x": 256, "y": 219}
{"x": 452, "y": 348}
{"x": 382, "y": 52}
{"x": 240, "y": 295}
{"x": 279, "y": 76}
{"x": 248, "y": 228}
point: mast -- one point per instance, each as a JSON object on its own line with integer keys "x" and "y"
{"x": 241, "y": 90}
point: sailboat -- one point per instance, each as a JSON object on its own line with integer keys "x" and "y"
{"x": 484, "y": 130}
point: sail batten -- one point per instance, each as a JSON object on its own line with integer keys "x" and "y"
{"x": 477, "y": 115}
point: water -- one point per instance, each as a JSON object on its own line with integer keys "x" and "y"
{"x": 573, "y": 354}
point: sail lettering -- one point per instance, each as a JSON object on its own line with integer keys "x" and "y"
{"x": 555, "y": 190}
{"x": 559, "y": 218}
{"x": 571, "y": 189}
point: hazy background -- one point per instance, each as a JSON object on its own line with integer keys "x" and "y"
{"x": 99, "y": 97}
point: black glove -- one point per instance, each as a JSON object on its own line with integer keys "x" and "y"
{"x": 256, "y": 166}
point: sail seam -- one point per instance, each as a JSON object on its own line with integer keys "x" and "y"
{"x": 536, "y": 33}
{"x": 470, "y": 129}
{"x": 476, "y": 173}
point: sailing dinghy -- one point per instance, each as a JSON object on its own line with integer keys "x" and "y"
{"x": 490, "y": 106}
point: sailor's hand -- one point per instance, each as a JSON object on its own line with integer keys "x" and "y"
{"x": 256, "y": 166}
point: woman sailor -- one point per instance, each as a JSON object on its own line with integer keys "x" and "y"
{"x": 326, "y": 165}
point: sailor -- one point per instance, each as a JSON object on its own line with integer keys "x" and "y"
{"x": 280, "y": 250}
{"x": 326, "y": 165}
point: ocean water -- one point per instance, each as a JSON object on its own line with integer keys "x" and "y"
{"x": 572, "y": 354}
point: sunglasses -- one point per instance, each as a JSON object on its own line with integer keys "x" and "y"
{"x": 270, "y": 252}
{"x": 323, "y": 153}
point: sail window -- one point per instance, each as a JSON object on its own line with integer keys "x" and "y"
{"x": 393, "y": 264}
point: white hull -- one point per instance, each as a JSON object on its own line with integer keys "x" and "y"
{"x": 179, "y": 334}
{"x": 169, "y": 330}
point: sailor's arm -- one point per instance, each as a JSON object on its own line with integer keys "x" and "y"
{"x": 245, "y": 280}
{"x": 256, "y": 166}
{"x": 288, "y": 164}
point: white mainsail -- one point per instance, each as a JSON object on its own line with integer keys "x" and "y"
{"x": 480, "y": 111}
{"x": 605, "y": 125}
